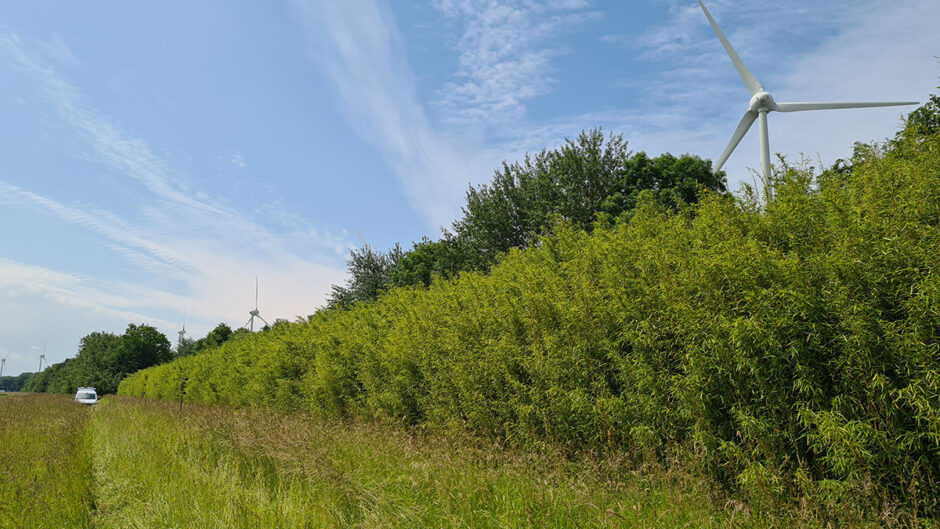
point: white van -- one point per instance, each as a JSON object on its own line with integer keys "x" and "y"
{"x": 86, "y": 396}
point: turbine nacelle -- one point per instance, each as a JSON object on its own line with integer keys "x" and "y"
{"x": 255, "y": 313}
{"x": 763, "y": 102}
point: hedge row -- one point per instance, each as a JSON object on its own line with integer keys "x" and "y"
{"x": 794, "y": 349}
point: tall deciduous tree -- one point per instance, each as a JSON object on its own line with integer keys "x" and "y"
{"x": 426, "y": 259}
{"x": 216, "y": 337}
{"x": 369, "y": 272}
{"x": 142, "y": 346}
{"x": 590, "y": 175}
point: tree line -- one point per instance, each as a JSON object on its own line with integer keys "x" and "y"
{"x": 15, "y": 383}
{"x": 104, "y": 359}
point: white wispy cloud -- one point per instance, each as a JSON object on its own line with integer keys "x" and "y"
{"x": 505, "y": 55}
{"x": 114, "y": 299}
{"x": 124, "y": 237}
{"x": 238, "y": 160}
{"x": 195, "y": 252}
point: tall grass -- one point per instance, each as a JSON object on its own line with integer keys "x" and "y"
{"x": 45, "y": 463}
{"x": 133, "y": 463}
{"x": 218, "y": 467}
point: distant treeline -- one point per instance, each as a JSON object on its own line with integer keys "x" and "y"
{"x": 103, "y": 360}
{"x": 15, "y": 383}
{"x": 792, "y": 350}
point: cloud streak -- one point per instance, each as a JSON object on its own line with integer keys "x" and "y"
{"x": 359, "y": 48}
{"x": 125, "y": 238}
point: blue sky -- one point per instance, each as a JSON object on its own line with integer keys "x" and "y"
{"x": 157, "y": 156}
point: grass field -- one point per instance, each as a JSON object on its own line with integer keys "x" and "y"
{"x": 255, "y": 469}
{"x": 45, "y": 463}
{"x": 130, "y": 463}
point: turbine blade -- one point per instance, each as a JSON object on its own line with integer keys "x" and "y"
{"x": 248, "y": 322}
{"x": 264, "y": 320}
{"x": 799, "y": 107}
{"x": 742, "y": 129}
{"x": 749, "y": 80}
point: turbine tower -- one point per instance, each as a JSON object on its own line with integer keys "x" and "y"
{"x": 254, "y": 313}
{"x": 3, "y": 363}
{"x": 762, "y": 103}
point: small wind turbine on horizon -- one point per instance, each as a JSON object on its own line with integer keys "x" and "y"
{"x": 3, "y": 362}
{"x": 42, "y": 357}
{"x": 762, "y": 103}
{"x": 181, "y": 333}
{"x": 254, "y": 313}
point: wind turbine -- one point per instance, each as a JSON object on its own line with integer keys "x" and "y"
{"x": 181, "y": 333}
{"x": 3, "y": 362}
{"x": 254, "y": 313}
{"x": 42, "y": 356}
{"x": 762, "y": 103}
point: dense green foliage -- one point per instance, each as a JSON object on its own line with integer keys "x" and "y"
{"x": 590, "y": 177}
{"x": 428, "y": 259}
{"x": 15, "y": 383}
{"x": 924, "y": 121}
{"x": 103, "y": 360}
{"x": 793, "y": 350}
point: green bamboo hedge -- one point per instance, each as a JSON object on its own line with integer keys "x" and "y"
{"x": 793, "y": 350}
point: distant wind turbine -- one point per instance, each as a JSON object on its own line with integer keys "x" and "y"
{"x": 762, "y": 103}
{"x": 3, "y": 362}
{"x": 181, "y": 333}
{"x": 42, "y": 357}
{"x": 254, "y": 313}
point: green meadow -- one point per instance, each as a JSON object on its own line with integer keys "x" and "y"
{"x": 45, "y": 463}
{"x": 136, "y": 463}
